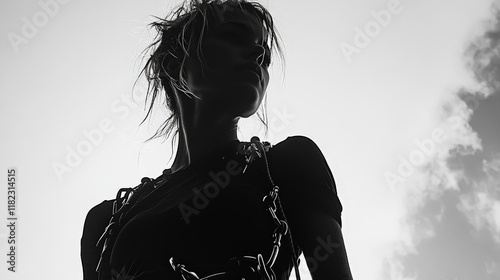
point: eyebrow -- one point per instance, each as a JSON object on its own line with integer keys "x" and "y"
{"x": 239, "y": 25}
{"x": 245, "y": 28}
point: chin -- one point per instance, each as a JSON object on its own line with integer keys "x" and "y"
{"x": 249, "y": 100}
{"x": 251, "y": 108}
{"x": 248, "y": 114}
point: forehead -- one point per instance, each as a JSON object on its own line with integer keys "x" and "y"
{"x": 241, "y": 17}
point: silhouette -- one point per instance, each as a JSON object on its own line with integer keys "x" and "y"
{"x": 225, "y": 209}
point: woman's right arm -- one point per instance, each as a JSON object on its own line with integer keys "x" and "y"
{"x": 96, "y": 221}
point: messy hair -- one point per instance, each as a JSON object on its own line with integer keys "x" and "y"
{"x": 176, "y": 34}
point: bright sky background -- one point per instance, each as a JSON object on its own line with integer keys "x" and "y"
{"x": 391, "y": 108}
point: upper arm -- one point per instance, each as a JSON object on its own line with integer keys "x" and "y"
{"x": 306, "y": 182}
{"x": 323, "y": 247}
{"x": 95, "y": 222}
{"x": 309, "y": 197}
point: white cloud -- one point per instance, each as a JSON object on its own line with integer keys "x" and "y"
{"x": 492, "y": 268}
{"x": 396, "y": 272}
{"x": 482, "y": 205}
{"x": 431, "y": 180}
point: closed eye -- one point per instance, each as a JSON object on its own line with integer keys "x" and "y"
{"x": 238, "y": 32}
{"x": 233, "y": 36}
{"x": 267, "y": 57}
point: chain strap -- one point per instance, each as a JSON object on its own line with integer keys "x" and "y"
{"x": 272, "y": 203}
{"x": 126, "y": 198}
{"x": 265, "y": 147}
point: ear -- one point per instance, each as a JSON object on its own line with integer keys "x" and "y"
{"x": 172, "y": 67}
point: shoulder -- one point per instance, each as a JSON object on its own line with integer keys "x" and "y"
{"x": 299, "y": 160}
{"x": 95, "y": 223}
{"x": 306, "y": 182}
{"x": 296, "y": 141}
{"x": 97, "y": 219}
{"x": 296, "y": 152}
{"x": 100, "y": 209}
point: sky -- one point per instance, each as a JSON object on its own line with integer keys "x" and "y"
{"x": 402, "y": 97}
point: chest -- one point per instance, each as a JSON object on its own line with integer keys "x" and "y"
{"x": 205, "y": 223}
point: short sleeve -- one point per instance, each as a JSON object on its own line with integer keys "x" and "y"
{"x": 306, "y": 182}
{"x": 95, "y": 223}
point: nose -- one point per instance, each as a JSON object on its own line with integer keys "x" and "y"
{"x": 258, "y": 54}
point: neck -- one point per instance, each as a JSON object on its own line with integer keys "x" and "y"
{"x": 200, "y": 135}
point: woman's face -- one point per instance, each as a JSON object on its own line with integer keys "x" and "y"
{"x": 236, "y": 58}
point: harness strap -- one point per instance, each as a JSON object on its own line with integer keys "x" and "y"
{"x": 127, "y": 197}
{"x": 249, "y": 263}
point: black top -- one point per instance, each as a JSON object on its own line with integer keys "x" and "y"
{"x": 211, "y": 211}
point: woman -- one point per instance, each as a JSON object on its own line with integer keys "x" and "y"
{"x": 216, "y": 212}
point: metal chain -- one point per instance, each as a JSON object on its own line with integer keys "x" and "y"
{"x": 122, "y": 204}
{"x": 255, "y": 149}
{"x": 266, "y": 146}
{"x": 256, "y": 264}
